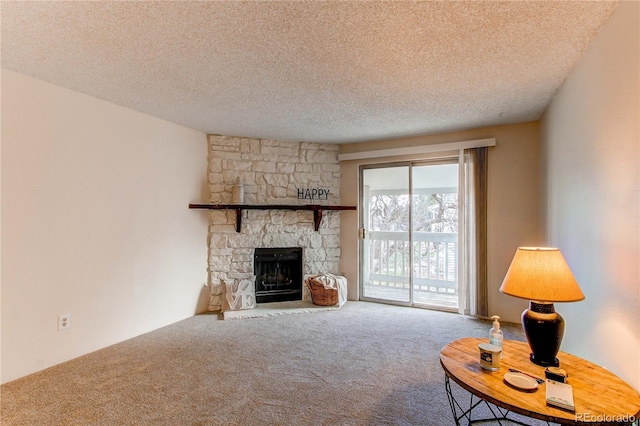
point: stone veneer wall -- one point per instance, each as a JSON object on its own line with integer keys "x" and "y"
{"x": 271, "y": 171}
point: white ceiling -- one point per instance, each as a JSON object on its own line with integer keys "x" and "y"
{"x": 308, "y": 70}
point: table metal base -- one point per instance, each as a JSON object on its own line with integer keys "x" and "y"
{"x": 463, "y": 416}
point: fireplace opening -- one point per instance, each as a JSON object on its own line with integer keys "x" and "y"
{"x": 278, "y": 274}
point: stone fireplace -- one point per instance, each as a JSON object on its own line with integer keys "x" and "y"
{"x": 272, "y": 173}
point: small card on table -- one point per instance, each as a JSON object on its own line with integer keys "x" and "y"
{"x": 560, "y": 395}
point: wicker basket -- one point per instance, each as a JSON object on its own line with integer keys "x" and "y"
{"x": 321, "y": 296}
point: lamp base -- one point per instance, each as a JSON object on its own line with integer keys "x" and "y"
{"x": 543, "y": 362}
{"x": 544, "y": 329}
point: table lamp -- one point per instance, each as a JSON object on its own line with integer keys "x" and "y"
{"x": 542, "y": 276}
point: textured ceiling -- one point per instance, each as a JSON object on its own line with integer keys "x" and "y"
{"x": 308, "y": 70}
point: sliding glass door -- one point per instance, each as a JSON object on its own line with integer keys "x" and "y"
{"x": 386, "y": 263}
{"x": 409, "y": 230}
{"x": 434, "y": 232}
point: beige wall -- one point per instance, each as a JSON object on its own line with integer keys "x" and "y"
{"x": 513, "y": 202}
{"x": 94, "y": 223}
{"x": 591, "y": 170}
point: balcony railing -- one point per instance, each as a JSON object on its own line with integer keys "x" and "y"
{"x": 434, "y": 266}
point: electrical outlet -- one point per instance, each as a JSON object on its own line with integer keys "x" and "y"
{"x": 64, "y": 321}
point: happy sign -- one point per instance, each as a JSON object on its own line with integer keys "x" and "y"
{"x": 313, "y": 194}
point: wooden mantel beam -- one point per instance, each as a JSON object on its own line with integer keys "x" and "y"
{"x": 315, "y": 208}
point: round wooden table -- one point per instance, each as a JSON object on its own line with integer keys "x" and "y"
{"x": 601, "y": 397}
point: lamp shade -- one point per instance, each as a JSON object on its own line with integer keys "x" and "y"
{"x": 541, "y": 274}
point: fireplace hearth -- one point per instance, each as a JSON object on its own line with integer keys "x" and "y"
{"x": 278, "y": 274}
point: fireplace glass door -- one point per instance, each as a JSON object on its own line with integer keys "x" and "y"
{"x": 278, "y": 274}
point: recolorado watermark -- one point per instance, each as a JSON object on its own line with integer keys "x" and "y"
{"x": 604, "y": 418}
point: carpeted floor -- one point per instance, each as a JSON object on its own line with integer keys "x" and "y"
{"x": 364, "y": 364}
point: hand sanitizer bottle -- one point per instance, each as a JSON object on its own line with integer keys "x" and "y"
{"x": 495, "y": 334}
